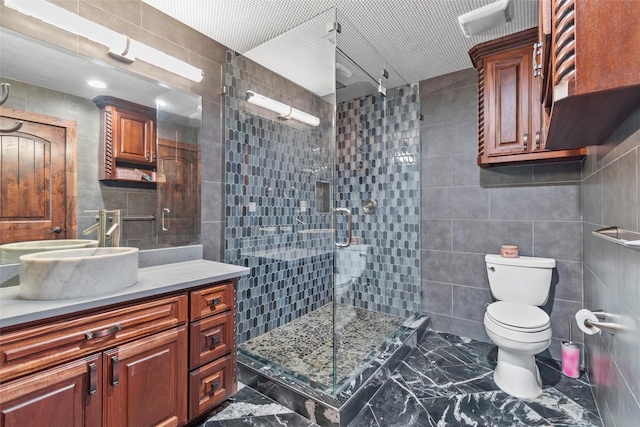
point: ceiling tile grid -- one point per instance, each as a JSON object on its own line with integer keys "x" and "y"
{"x": 419, "y": 38}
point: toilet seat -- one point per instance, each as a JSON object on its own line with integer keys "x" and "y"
{"x": 518, "y": 317}
{"x": 518, "y": 322}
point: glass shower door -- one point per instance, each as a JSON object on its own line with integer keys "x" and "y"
{"x": 315, "y": 206}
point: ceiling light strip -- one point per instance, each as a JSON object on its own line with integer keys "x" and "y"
{"x": 284, "y": 111}
{"x": 120, "y": 46}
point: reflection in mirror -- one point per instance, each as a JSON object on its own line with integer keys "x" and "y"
{"x": 50, "y": 83}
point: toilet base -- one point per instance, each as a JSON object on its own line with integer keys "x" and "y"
{"x": 517, "y": 374}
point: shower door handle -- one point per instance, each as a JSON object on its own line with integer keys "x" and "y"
{"x": 349, "y": 227}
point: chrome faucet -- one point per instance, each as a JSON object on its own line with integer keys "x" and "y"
{"x": 113, "y": 233}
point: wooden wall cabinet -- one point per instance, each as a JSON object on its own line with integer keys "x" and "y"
{"x": 128, "y": 140}
{"x": 590, "y": 68}
{"x": 511, "y": 123}
{"x": 126, "y": 366}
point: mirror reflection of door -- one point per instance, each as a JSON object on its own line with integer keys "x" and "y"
{"x": 37, "y": 177}
{"x": 178, "y": 195}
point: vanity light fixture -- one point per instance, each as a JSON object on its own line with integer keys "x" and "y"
{"x": 284, "y": 111}
{"x": 97, "y": 84}
{"x": 121, "y": 47}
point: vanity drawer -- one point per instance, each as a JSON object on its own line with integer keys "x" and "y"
{"x": 210, "y": 385}
{"x": 213, "y": 300}
{"x": 211, "y": 338}
{"x": 34, "y": 348}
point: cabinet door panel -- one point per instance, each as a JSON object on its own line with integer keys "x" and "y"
{"x": 135, "y": 137}
{"x": 146, "y": 383}
{"x": 68, "y": 395}
{"x": 507, "y": 102}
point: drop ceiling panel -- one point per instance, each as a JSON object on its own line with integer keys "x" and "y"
{"x": 419, "y": 38}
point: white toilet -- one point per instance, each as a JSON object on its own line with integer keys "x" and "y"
{"x": 350, "y": 264}
{"x": 515, "y": 323}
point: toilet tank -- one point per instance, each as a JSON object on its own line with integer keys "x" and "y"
{"x": 526, "y": 280}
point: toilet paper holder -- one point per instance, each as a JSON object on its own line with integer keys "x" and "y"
{"x": 609, "y": 327}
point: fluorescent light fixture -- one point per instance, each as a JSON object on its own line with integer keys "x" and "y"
{"x": 486, "y": 17}
{"x": 284, "y": 111}
{"x": 120, "y": 46}
{"x": 97, "y": 84}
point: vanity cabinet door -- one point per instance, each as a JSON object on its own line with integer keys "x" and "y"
{"x": 145, "y": 381}
{"x": 69, "y": 395}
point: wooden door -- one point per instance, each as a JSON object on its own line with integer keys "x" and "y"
{"x": 37, "y": 177}
{"x": 178, "y": 195}
{"x": 507, "y": 95}
{"x": 69, "y": 395}
{"x": 145, "y": 381}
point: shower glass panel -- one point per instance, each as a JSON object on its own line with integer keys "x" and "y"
{"x": 318, "y": 206}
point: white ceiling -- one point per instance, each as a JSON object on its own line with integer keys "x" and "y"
{"x": 418, "y": 38}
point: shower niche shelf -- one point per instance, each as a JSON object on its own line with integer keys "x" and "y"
{"x": 620, "y": 236}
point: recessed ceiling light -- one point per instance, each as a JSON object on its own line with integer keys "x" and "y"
{"x": 97, "y": 84}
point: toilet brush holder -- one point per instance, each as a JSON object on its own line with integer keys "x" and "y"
{"x": 570, "y": 357}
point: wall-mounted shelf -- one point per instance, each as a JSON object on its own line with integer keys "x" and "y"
{"x": 626, "y": 238}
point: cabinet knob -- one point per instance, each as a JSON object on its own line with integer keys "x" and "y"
{"x": 215, "y": 340}
{"x": 525, "y": 140}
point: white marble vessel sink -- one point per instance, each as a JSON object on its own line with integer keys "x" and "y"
{"x": 77, "y": 273}
{"x": 10, "y": 253}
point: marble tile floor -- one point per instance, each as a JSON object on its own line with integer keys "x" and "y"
{"x": 445, "y": 381}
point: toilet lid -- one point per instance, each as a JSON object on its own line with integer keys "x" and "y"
{"x": 518, "y": 316}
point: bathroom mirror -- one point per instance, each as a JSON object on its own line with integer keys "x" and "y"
{"x": 46, "y": 80}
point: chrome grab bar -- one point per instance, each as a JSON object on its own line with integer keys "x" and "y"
{"x": 349, "y": 227}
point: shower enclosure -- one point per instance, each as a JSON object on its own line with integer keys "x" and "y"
{"x": 322, "y": 202}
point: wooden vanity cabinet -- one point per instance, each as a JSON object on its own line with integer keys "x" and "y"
{"x": 67, "y": 395}
{"x": 212, "y": 332}
{"x": 161, "y": 361}
{"x": 590, "y": 65}
{"x": 511, "y": 123}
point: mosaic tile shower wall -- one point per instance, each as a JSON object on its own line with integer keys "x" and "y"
{"x": 277, "y": 174}
{"x": 278, "y": 199}
{"x": 378, "y": 159}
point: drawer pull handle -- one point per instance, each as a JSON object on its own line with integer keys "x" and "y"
{"x": 93, "y": 379}
{"x": 109, "y": 331}
{"x": 215, "y": 386}
{"x": 115, "y": 372}
{"x": 215, "y": 302}
{"x": 537, "y": 140}
{"x": 214, "y": 341}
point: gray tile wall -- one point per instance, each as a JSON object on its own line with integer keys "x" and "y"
{"x": 611, "y": 196}
{"x": 468, "y": 212}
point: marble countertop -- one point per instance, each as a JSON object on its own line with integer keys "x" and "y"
{"x": 152, "y": 281}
